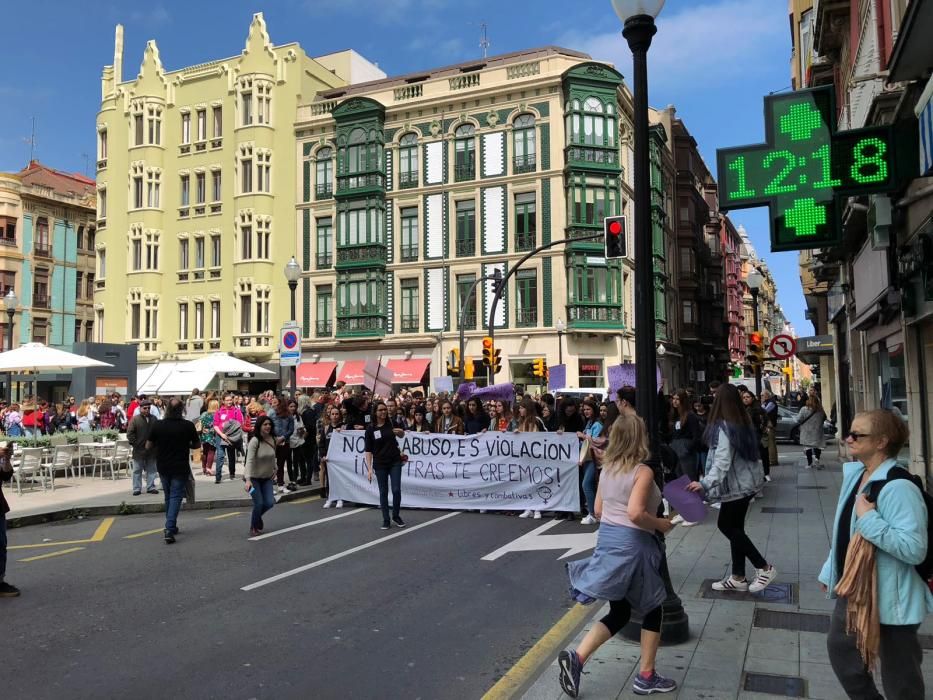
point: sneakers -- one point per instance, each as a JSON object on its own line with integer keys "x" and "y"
{"x": 764, "y": 579}
{"x": 169, "y": 537}
{"x": 677, "y": 519}
{"x": 537, "y": 515}
{"x": 687, "y": 523}
{"x": 385, "y": 525}
{"x": 526, "y": 514}
{"x": 767, "y": 477}
{"x": 570, "y": 669}
{"x": 716, "y": 506}
{"x": 152, "y": 491}
{"x": 136, "y": 493}
{"x": 398, "y": 521}
{"x": 328, "y": 504}
{"x": 653, "y": 684}
{"x": 589, "y": 520}
{"x": 339, "y": 503}
{"x": 8, "y": 591}
{"x": 253, "y": 532}
{"x": 730, "y": 585}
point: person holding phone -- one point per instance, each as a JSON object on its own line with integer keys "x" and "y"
{"x": 260, "y": 470}
{"x": 383, "y": 456}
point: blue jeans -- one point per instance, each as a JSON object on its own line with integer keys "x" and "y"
{"x": 589, "y": 487}
{"x": 383, "y": 475}
{"x": 701, "y": 461}
{"x": 2, "y": 547}
{"x": 224, "y": 453}
{"x": 263, "y": 499}
{"x": 174, "y": 488}
{"x": 147, "y": 464}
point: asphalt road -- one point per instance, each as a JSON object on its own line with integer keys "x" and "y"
{"x": 411, "y": 613}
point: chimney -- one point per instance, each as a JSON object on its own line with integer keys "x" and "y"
{"x": 118, "y": 55}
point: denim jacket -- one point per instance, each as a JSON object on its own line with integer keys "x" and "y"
{"x": 729, "y": 476}
{"x": 898, "y": 529}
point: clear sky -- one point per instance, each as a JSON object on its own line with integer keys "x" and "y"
{"x": 713, "y": 59}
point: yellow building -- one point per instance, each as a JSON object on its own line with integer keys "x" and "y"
{"x": 417, "y": 186}
{"x": 197, "y": 185}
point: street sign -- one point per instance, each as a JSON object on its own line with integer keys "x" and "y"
{"x": 536, "y": 540}
{"x": 783, "y": 346}
{"x": 289, "y": 345}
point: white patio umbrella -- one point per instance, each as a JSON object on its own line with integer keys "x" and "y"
{"x": 222, "y": 362}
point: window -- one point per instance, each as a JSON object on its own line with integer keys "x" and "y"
{"x": 263, "y": 171}
{"x": 246, "y": 169}
{"x": 246, "y": 107}
{"x": 40, "y": 289}
{"x": 523, "y": 144}
{"x": 246, "y": 237}
{"x": 325, "y": 242}
{"x": 153, "y": 188}
{"x": 79, "y": 285}
{"x": 42, "y": 236}
{"x": 102, "y": 144}
{"x": 200, "y": 188}
{"x": 325, "y": 301}
{"x": 218, "y": 119}
{"x": 7, "y": 281}
{"x": 262, "y": 310}
{"x": 138, "y": 191}
{"x": 136, "y": 253}
{"x": 199, "y": 320}
{"x": 40, "y": 332}
{"x": 8, "y": 231}
{"x": 466, "y": 229}
{"x": 183, "y": 321}
{"x": 409, "y": 289}
{"x": 215, "y": 319}
{"x": 687, "y": 262}
{"x": 408, "y": 161}
{"x": 154, "y": 123}
{"x": 79, "y": 237}
{"x": 689, "y": 312}
{"x": 525, "y": 222}
{"x": 594, "y": 124}
{"x": 526, "y": 292}
{"x": 591, "y": 373}
{"x": 90, "y": 285}
{"x": 138, "y": 129}
{"x": 152, "y": 251}
{"x": 101, "y": 207}
{"x": 151, "y": 318}
{"x": 594, "y": 282}
{"x": 361, "y": 226}
{"x": 183, "y": 250}
{"x": 361, "y": 295}
{"x": 99, "y": 316}
{"x": 264, "y": 103}
{"x": 186, "y": 128}
{"x": 89, "y": 332}
{"x": 409, "y": 234}
{"x": 215, "y": 251}
{"x": 215, "y": 186}
{"x": 467, "y": 304}
{"x": 199, "y": 253}
{"x": 264, "y": 238}
{"x": 101, "y": 264}
{"x": 202, "y": 124}
{"x": 591, "y": 203}
{"x": 324, "y": 173}
{"x": 465, "y": 153}
{"x": 185, "y": 189}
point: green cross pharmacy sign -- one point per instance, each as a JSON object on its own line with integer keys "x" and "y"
{"x": 804, "y": 167}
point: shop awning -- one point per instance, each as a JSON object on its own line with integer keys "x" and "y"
{"x": 352, "y": 372}
{"x": 408, "y": 371}
{"x": 316, "y": 374}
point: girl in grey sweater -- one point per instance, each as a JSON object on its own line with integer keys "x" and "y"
{"x": 260, "y": 470}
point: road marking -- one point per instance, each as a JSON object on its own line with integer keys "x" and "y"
{"x": 52, "y": 554}
{"x": 341, "y": 555}
{"x": 304, "y": 525}
{"x": 541, "y": 653}
{"x": 574, "y": 543}
{"x": 98, "y": 536}
{"x": 304, "y": 500}
{"x": 225, "y": 515}
{"x": 143, "y": 534}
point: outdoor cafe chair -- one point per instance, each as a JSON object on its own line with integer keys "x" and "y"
{"x": 61, "y": 459}
{"x": 29, "y": 466}
{"x": 116, "y": 457}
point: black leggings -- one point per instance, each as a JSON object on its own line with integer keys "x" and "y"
{"x": 815, "y": 452}
{"x": 732, "y": 525}
{"x": 765, "y": 459}
{"x": 620, "y": 611}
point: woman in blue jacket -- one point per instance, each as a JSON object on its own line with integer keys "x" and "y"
{"x": 897, "y": 526}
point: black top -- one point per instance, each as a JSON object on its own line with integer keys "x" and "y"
{"x": 383, "y": 445}
{"x": 173, "y": 439}
{"x": 689, "y": 429}
{"x": 4, "y": 476}
{"x": 842, "y": 535}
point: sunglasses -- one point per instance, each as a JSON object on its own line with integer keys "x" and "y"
{"x": 857, "y": 436}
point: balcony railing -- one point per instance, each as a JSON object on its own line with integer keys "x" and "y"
{"x": 524, "y": 164}
{"x": 524, "y": 241}
{"x": 410, "y": 324}
{"x": 324, "y": 191}
{"x": 40, "y": 301}
{"x": 526, "y": 317}
{"x": 594, "y": 313}
{"x": 593, "y": 155}
{"x": 324, "y": 329}
{"x": 407, "y": 180}
{"x": 466, "y": 247}
{"x": 365, "y": 253}
{"x": 409, "y": 253}
{"x": 465, "y": 171}
{"x": 348, "y": 183}
{"x": 469, "y": 321}
{"x": 361, "y": 324}
{"x": 324, "y": 261}
{"x": 43, "y": 250}
{"x": 8, "y": 241}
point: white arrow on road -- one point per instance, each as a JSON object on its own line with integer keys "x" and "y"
{"x": 535, "y": 540}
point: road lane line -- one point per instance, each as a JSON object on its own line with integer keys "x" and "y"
{"x": 225, "y": 515}
{"x": 101, "y": 532}
{"x": 303, "y": 525}
{"x": 143, "y": 534}
{"x": 304, "y": 500}
{"x": 341, "y": 555}
{"x": 542, "y": 653}
{"x": 98, "y": 536}
{"x": 52, "y": 554}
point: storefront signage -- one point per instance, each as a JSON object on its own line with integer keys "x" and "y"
{"x": 104, "y": 386}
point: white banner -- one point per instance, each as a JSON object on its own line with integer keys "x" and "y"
{"x": 494, "y": 471}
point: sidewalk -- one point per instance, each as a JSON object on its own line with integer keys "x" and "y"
{"x": 84, "y": 496}
{"x": 733, "y": 640}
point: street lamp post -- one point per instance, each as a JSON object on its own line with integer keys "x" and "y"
{"x": 754, "y": 281}
{"x": 638, "y": 29}
{"x": 561, "y": 328}
{"x": 292, "y": 273}
{"x": 10, "y": 302}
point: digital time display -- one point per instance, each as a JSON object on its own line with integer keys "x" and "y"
{"x": 802, "y": 168}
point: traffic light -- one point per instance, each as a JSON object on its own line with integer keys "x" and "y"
{"x": 614, "y": 235}
{"x": 453, "y": 363}
{"x": 488, "y": 351}
{"x": 496, "y": 361}
{"x": 789, "y": 371}
{"x": 468, "y": 368}
{"x": 756, "y": 350}
{"x": 539, "y": 365}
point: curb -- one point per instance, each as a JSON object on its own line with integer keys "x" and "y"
{"x": 124, "y": 508}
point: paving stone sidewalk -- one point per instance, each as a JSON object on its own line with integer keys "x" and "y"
{"x": 736, "y": 643}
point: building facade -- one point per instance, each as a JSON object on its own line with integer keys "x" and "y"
{"x": 47, "y": 243}
{"x": 416, "y": 187}
{"x": 196, "y": 192}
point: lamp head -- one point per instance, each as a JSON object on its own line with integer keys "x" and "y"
{"x": 292, "y": 270}
{"x": 755, "y": 279}
{"x": 10, "y": 301}
{"x": 626, "y": 9}
{"x": 560, "y": 325}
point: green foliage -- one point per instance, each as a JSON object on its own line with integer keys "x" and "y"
{"x": 72, "y": 438}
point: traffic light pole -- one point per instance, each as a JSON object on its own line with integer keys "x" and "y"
{"x": 757, "y": 364}
{"x": 502, "y": 283}
{"x": 463, "y": 307}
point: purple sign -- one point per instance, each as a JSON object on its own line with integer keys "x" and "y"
{"x": 624, "y": 375}
{"x": 687, "y": 503}
{"x": 496, "y": 392}
{"x": 557, "y": 377}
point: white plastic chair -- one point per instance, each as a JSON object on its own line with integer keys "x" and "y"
{"x": 61, "y": 459}
{"x": 116, "y": 457}
{"x": 29, "y": 466}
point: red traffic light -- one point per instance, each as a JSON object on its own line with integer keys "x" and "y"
{"x": 615, "y": 227}
{"x": 754, "y": 338}
{"x": 487, "y": 343}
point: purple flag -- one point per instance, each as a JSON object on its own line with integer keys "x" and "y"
{"x": 624, "y": 375}
{"x": 557, "y": 377}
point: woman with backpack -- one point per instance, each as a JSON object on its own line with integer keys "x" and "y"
{"x": 881, "y": 505}
{"x": 811, "y": 419}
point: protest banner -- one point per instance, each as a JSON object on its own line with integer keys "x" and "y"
{"x": 495, "y": 471}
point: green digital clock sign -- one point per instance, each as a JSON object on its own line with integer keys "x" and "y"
{"x": 804, "y": 166}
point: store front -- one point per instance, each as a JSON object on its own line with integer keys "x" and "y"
{"x": 591, "y": 373}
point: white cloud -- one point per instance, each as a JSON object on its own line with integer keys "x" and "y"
{"x": 702, "y": 47}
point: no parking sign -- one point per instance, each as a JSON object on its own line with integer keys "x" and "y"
{"x": 289, "y": 346}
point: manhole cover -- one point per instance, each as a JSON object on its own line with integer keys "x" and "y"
{"x": 788, "y": 686}
{"x": 771, "y": 509}
{"x": 781, "y": 593}
{"x": 797, "y": 622}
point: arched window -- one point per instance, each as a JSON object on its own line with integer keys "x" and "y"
{"x": 465, "y": 153}
{"x": 408, "y": 161}
{"x": 524, "y": 144}
{"x": 324, "y": 170}
{"x": 592, "y": 123}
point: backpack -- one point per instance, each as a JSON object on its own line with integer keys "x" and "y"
{"x": 924, "y": 568}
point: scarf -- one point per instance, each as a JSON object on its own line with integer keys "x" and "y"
{"x": 859, "y": 586}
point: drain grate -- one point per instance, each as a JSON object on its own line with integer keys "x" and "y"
{"x": 780, "y": 593}
{"x": 771, "y": 509}
{"x": 788, "y": 686}
{"x": 812, "y": 488}
{"x": 796, "y": 622}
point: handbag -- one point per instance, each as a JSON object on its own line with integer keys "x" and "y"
{"x": 585, "y": 451}
{"x": 295, "y": 440}
{"x": 189, "y": 489}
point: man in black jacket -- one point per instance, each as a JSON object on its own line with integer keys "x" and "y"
{"x": 173, "y": 439}
{"x": 310, "y": 415}
{"x": 6, "y": 473}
